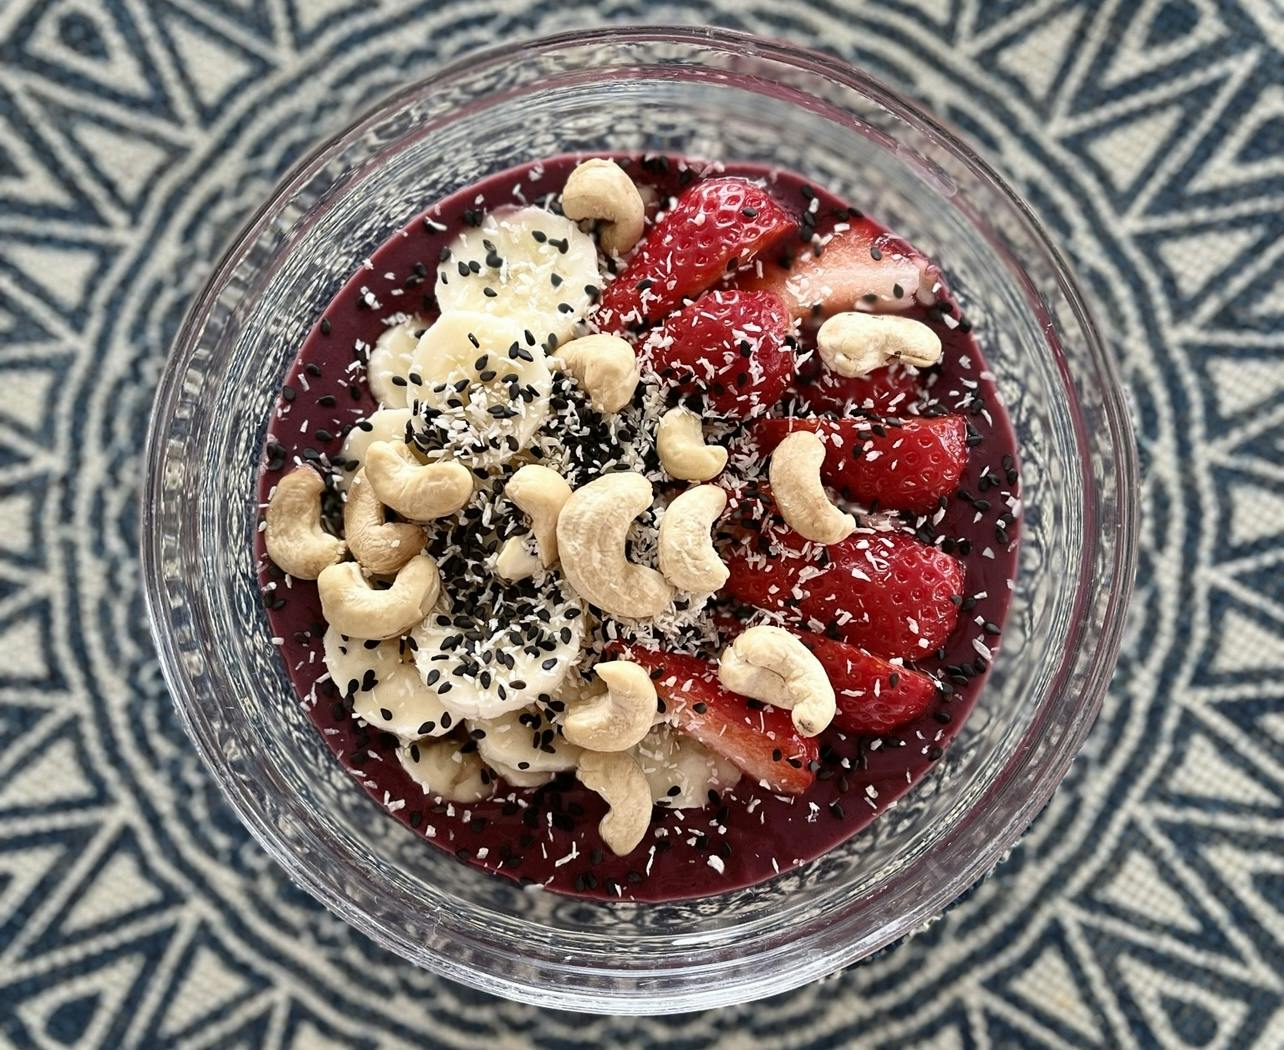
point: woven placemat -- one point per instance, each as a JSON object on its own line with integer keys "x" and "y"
{"x": 1145, "y": 907}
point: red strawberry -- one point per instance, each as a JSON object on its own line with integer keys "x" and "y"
{"x": 885, "y": 592}
{"x": 873, "y": 695}
{"x": 761, "y": 741}
{"x": 715, "y": 226}
{"x": 730, "y": 346}
{"x": 905, "y": 465}
{"x": 863, "y": 267}
{"x": 887, "y": 391}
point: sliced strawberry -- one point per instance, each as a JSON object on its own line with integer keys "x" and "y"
{"x": 886, "y": 391}
{"x": 885, "y": 592}
{"x": 863, "y": 267}
{"x": 730, "y": 346}
{"x": 761, "y": 741}
{"x": 716, "y": 225}
{"x": 873, "y": 695}
{"x": 897, "y": 465}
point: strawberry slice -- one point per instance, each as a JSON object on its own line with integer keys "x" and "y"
{"x": 886, "y": 391}
{"x": 873, "y": 695}
{"x": 897, "y": 465}
{"x": 761, "y": 741}
{"x": 863, "y": 267}
{"x": 885, "y": 592}
{"x": 729, "y": 346}
{"x": 717, "y": 225}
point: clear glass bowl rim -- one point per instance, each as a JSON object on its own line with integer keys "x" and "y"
{"x": 837, "y": 952}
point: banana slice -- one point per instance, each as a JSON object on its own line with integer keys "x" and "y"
{"x": 681, "y": 770}
{"x": 385, "y": 424}
{"x": 491, "y": 665}
{"x": 441, "y": 769}
{"x": 485, "y": 386}
{"x": 523, "y": 747}
{"x": 354, "y": 664}
{"x": 402, "y": 704}
{"x": 526, "y": 264}
{"x": 390, "y": 357}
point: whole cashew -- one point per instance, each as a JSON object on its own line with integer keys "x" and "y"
{"x": 592, "y": 531}
{"x": 541, "y": 493}
{"x": 440, "y": 768}
{"x": 620, "y": 717}
{"x": 770, "y": 664}
{"x": 605, "y": 366}
{"x": 687, "y": 558}
{"x": 352, "y": 607}
{"x": 620, "y": 781}
{"x": 600, "y": 189}
{"x": 855, "y": 343}
{"x": 380, "y": 546}
{"x": 515, "y": 561}
{"x": 683, "y": 453}
{"x": 420, "y": 491}
{"x": 794, "y": 472}
{"x": 294, "y": 537}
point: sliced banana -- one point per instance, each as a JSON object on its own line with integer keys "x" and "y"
{"x": 523, "y": 747}
{"x": 385, "y": 424}
{"x": 402, "y": 704}
{"x": 526, "y": 264}
{"x": 441, "y": 769}
{"x": 485, "y": 386}
{"x": 389, "y": 358}
{"x": 354, "y": 665}
{"x": 681, "y": 770}
{"x": 470, "y": 653}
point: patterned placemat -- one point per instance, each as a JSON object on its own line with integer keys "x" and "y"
{"x": 1146, "y": 908}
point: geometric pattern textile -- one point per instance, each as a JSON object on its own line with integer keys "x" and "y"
{"x": 1145, "y": 907}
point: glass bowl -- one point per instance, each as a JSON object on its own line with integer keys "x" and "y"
{"x": 705, "y": 93}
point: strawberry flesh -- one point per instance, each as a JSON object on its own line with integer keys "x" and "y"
{"x": 761, "y": 741}
{"x": 717, "y": 225}
{"x": 885, "y": 592}
{"x": 861, "y": 268}
{"x": 886, "y": 391}
{"x": 873, "y": 695}
{"x": 729, "y": 346}
{"x": 907, "y": 465}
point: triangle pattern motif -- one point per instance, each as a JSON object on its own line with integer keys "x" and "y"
{"x": 207, "y": 986}
{"x": 95, "y": 47}
{"x": 1047, "y": 982}
{"x": 212, "y": 65}
{"x": 121, "y": 888}
{"x": 1143, "y": 908}
{"x": 1035, "y": 59}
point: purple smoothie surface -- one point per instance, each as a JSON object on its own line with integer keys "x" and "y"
{"x": 751, "y": 833}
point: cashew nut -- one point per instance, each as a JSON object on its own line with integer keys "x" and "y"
{"x": 770, "y": 664}
{"x": 683, "y": 452}
{"x": 592, "y": 531}
{"x": 600, "y": 189}
{"x": 687, "y": 558}
{"x": 542, "y": 493}
{"x": 620, "y": 717}
{"x": 855, "y": 344}
{"x": 516, "y": 561}
{"x": 382, "y": 547}
{"x": 605, "y": 366}
{"x": 352, "y": 607}
{"x": 794, "y": 472}
{"x": 620, "y": 781}
{"x": 440, "y": 768}
{"x": 294, "y": 537}
{"x": 420, "y": 491}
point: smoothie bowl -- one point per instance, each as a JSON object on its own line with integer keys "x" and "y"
{"x": 639, "y": 521}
